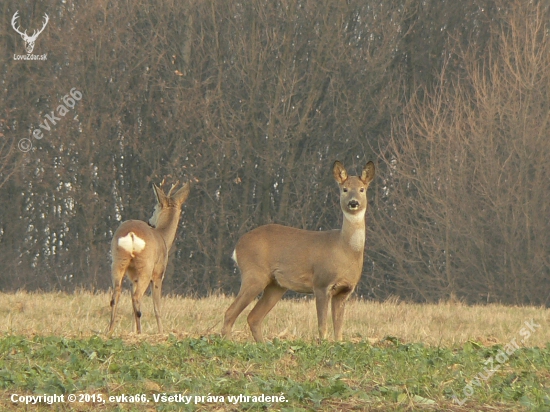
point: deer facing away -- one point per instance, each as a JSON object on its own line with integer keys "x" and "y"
{"x": 141, "y": 252}
{"x": 275, "y": 258}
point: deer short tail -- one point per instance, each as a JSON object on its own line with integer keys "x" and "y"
{"x": 131, "y": 243}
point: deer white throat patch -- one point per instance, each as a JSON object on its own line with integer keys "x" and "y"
{"x": 131, "y": 243}
{"x": 357, "y": 240}
{"x": 355, "y": 217}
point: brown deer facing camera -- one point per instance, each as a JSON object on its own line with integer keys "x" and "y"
{"x": 141, "y": 251}
{"x": 275, "y": 258}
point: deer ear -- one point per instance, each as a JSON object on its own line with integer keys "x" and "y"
{"x": 339, "y": 172}
{"x": 159, "y": 195}
{"x": 181, "y": 195}
{"x": 368, "y": 173}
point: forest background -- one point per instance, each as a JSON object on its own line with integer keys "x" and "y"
{"x": 252, "y": 102}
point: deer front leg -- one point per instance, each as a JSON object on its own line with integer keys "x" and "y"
{"x": 338, "y": 309}
{"x": 157, "y": 292}
{"x": 322, "y": 299}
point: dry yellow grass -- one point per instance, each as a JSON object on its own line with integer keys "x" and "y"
{"x": 84, "y": 314}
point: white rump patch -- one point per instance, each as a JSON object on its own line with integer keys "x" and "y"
{"x": 126, "y": 243}
{"x": 234, "y": 257}
{"x": 139, "y": 243}
{"x": 131, "y": 243}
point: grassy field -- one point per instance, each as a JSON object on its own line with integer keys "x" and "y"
{"x": 396, "y": 357}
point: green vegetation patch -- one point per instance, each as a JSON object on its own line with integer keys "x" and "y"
{"x": 211, "y": 373}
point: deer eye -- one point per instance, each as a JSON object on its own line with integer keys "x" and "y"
{"x": 362, "y": 190}
{"x": 345, "y": 189}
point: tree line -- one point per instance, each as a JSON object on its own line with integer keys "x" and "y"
{"x": 252, "y": 102}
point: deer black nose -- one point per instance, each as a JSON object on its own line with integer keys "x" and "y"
{"x": 353, "y": 204}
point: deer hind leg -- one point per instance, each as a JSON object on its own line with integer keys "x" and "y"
{"x": 139, "y": 286}
{"x": 247, "y": 293}
{"x": 118, "y": 270}
{"x": 157, "y": 292}
{"x": 272, "y": 294}
{"x": 338, "y": 309}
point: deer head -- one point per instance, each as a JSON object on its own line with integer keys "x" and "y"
{"x": 29, "y": 40}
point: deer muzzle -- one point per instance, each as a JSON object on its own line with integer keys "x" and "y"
{"x": 353, "y": 204}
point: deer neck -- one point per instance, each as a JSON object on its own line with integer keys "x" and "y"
{"x": 353, "y": 231}
{"x": 167, "y": 225}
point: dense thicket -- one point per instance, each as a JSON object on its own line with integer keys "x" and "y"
{"x": 252, "y": 102}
